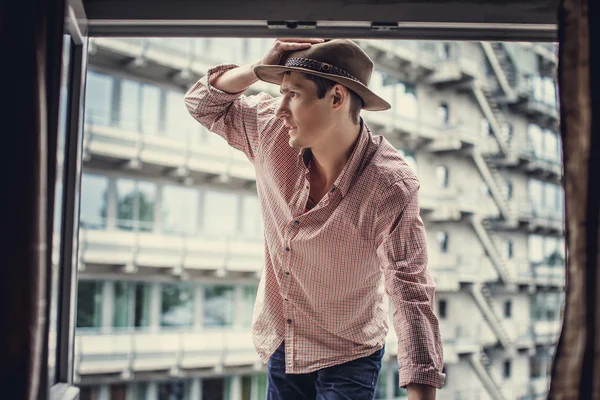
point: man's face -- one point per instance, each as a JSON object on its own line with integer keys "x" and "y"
{"x": 307, "y": 117}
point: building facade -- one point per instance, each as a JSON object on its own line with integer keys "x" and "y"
{"x": 171, "y": 246}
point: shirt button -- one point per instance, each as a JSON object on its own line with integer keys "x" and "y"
{"x": 289, "y": 321}
{"x": 287, "y": 249}
{"x": 332, "y": 190}
{"x": 296, "y": 223}
{"x": 286, "y": 299}
{"x": 287, "y": 272}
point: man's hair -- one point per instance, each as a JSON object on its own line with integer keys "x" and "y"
{"x": 324, "y": 84}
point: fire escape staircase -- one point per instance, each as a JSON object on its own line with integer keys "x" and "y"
{"x": 480, "y": 363}
{"x": 491, "y": 110}
{"x": 493, "y": 178}
{"x": 485, "y": 302}
{"x": 502, "y": 66}
{"x": 482, "y": 228}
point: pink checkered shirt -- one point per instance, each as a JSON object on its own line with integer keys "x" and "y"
{"x": 327, "y": 270}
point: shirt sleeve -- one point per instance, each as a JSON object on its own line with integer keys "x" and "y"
{"x": 402, "y": 250}
{"x": 238, "y": 118}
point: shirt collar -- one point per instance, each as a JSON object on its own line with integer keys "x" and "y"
{"x": 353, "y": 165}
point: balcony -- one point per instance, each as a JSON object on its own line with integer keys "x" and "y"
{"x": 131, "y": 352}
{"x": 390, "y": 123}
{"x": 548, "y": 275}
{"x": 546, "y": 220}
{"x": 545, "y": 168}
{"x": 546, "y": 332}
{"x": 133, "y": 250}
{"x": 185, "y": 155}
{"x": 412, "y": 56}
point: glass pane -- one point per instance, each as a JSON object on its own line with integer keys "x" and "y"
{"x": 251, "y": 217}
{"x": 177, "y": 117}
{"x": 89, "y": 304}
{"x": 177, "y": 305}
{"x": 146, "y": 192}
{"x": 57, "y": 212}
{"x": 122, "y": 304}
{"x": 172, "y": 390}
{"x": 126, "y": 204}
{"x": 98, "y": 99}
{"x": 89, "y": 393}
{"x": 179, "y": 208}
{"x": 218, "y": 306}
{"x": 150, "y": 114}
{"x": 381, "y": 388}
{"x": 94, "y": 201}
{"x": 139, "y": 390}
{"x": 536, "y": 189}
{"x": 246, "y": 388}
{"x": 118, "y": 392}
{"x": 213, "y": 388}
{"x": 261, "y": 383}
{"x": 129, "y": 105}
{"x": 220, "y": 214}
{"x": 248, "y": 299}
{"x": 142, "y": 304}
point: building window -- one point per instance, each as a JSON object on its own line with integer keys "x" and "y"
{"x": 89, "y": 304}
{"x": 507, "y": 309}
{"x": 173, "y": 390}
{"x": 179, "y": 210}
{"x": 509, "y": 249}
{"x": 94, "y": 201}
{"x": 213, "y": 388}
{"x": 442, "y": 308}
{"x": 219, "y": 306}
{"x": 443, "y": 113}
{"x": 220, "y": 214}
{"x": 139, "y": 390}
{"x": 507, "y": 369}
{"x": 443, "y": 176}
{"x": 177, "y": 305}
{"x": 99, "y": 99}
{"x": 132, "y": 304}
{"x": 443, "y": 241}
{"x": 247, "y": 306}
{"x": 508, "y": 189}
{"x": 252, "y": 224}
{"x": 135, "y": 205}
{"x": 150, "y": 109}
{"x": 129, "y": 105}
{"x": 179, "y": 124}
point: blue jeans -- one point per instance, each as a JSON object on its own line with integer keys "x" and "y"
{"x": 354, "y": 380}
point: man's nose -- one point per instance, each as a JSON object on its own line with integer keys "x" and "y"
{"x": 282, "y": 111}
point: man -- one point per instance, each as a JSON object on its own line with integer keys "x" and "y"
{"x": 342, "y": 225}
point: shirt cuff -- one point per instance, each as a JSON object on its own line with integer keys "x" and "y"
{"x": 214, "y": 73}
{"x": 421, "y": 374}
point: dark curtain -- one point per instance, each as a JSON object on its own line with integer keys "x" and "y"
{"x": 576, "y": 367}
{"x": 30, "y": 50}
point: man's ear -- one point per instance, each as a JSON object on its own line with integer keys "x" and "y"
{"x": 340, "y": 95}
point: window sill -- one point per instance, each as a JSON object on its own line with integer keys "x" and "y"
{"x": 64, "y": 391}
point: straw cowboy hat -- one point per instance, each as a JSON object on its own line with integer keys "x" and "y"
{"x": 340, "y": 60}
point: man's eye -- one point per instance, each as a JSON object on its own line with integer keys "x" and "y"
{"x": 292, "y": 94}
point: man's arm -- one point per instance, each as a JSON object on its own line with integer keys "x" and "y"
{"x": 217, "y": 102}
{"x": 402, "y": 250}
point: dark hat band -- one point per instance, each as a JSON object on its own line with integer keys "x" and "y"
{"x": 318, "y": 66}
